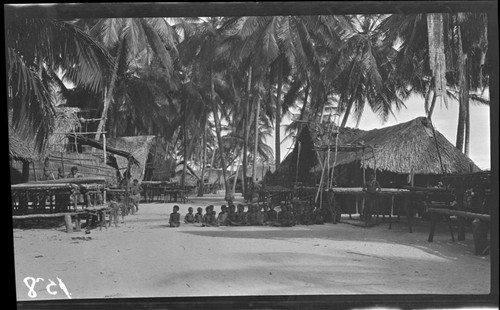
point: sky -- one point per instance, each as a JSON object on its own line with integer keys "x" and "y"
{"x": 444, "y": 119}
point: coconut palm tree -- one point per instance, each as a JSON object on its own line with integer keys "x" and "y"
{"x": 35, "y": 49}
{"x": 136, "y": 43}
{"x": 413, "y": 72}
{"x": 284, "y": 44}
{"x": 361, "y": 71}
{"x": 200, "y": 49}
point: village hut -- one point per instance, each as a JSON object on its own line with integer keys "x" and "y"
{"x": 21, "y": 154}
{"x": 138, "y": 147}
{"x": 410, "y": 153}
{"x": 160, "y": 164}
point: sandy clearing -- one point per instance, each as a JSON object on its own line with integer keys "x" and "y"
{"x": 145, "y": 258}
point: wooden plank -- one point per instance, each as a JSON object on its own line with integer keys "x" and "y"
{"x": 35, "y": 186}
{"x": 39, "y": 216}
{"x": 426, "y": 189}
{"x": 471, "y": 215}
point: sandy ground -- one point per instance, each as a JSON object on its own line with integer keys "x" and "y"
{"x": 145, "y": 258}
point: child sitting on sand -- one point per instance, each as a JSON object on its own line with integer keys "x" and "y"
{"x": 222, "y": 218}
{"x": 198, "y": 217}
{"x": 209, "y": 219}
{"x": 175, "y": 218}
{"x": 318, "y": 216}
{"x": 231, "y": 215}
{"x": 254, "y": 216}
{"x": 285, "y": 218}
{"x": 189, "y": 217}
{"x": 240, "y": 216}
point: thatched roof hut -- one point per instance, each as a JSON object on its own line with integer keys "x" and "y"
{"x": 139, "y": 147}
{"x": 66, "y": 121}
{"x": 21, "y": 149}
{"x": 403, "y": 149}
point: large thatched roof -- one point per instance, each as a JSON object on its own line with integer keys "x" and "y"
{"x": 401, "y": 149}
{"x": 21, "y": 149}
{"x": 139, "y": 147}
{"x": 66, "y": 120}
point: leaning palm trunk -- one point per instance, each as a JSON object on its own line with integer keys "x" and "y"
{"x": 246, "y": 122}
{"x": 277, "y": 141}
{"x": 349, "y": 107}
{"x": 464, "y": 93}
{"x": 109, "y": 92}
{"x": 229, "y": 195}
{"x": 184, "y": 167}
{"x": 256, "y": 145}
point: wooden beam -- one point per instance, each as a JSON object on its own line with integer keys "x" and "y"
{"x": 471, "y": 215}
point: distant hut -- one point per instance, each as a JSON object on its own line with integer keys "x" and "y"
{"x": 403, "y": 154}
{"x": 138, "y": 147}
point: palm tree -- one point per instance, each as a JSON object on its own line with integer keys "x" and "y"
{"x": 200, "y": 49}
{"x": 361, "y": 71}
{"x": 412, "y": 58}
{"x": 36, "y": 48}
{"x": 135, "y": 43}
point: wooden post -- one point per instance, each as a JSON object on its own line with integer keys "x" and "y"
{"x": 67, "y": 221}
{"x": 105, "y": 161}
{"x": 77, "y": 223}
{"x": 460, "y": 204}
{"x": 433, "y": 226}
{"x": 408, "y": 212}
{"x": 364, "y": 168}
{"x": 34, "y": 172}
{"x": 127, "y": 194}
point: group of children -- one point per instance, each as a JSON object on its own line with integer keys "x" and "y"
{"x": 256, "y": 215}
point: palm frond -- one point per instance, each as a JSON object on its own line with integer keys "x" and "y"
{"x": 32, "y": 111}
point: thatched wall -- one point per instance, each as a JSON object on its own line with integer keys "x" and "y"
{"x": 139, "y": 147}
{"x": 88, "y": 164}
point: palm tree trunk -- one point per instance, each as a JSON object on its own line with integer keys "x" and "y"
{"x": 256, "y": 145}
{"x": 467, "y": 109}
{"x": 277, "y": 138}
{"x": 229, "y": 195}
{"x": 347, "y": 111}
{"x": 246, "y": 124}
{"x": 211, "y": 164}
{"x": 303, "y": 110}
{"x": 109, "y": 92}
{"x": 236, "y": 175}
{"x": 203, "y": 159}
{"x": 349, "y": 104}
{"x": 183, "y": 178}
{"x": 463, "y": 85}
{"x": 433, "y": 104}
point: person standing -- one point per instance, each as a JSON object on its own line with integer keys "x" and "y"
{"x": 135, "y": 194}
{"x": 47, "y": 171}
{"x": 372, "y": 187}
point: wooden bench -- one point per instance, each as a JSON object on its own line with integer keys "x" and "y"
{"x": 175, "y": 194}
{"x": 68, "y": 216}
{"x": 450, "y": 212}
